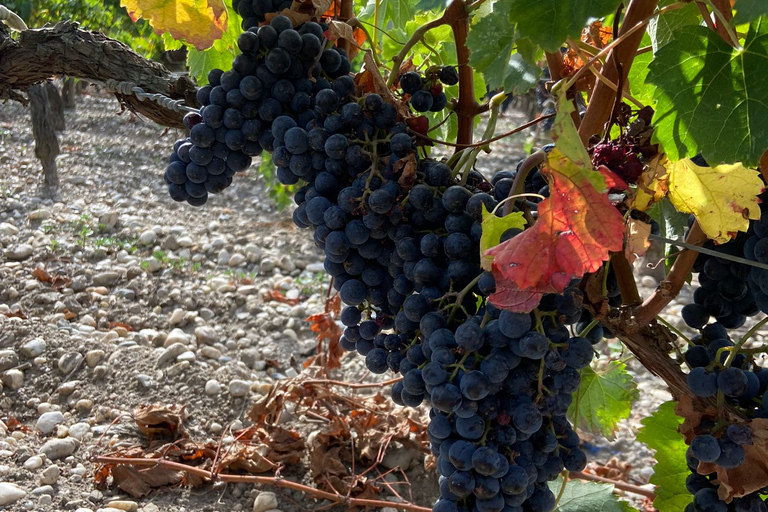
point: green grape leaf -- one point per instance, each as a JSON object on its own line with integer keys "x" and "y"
{"x": 219, "y": 56}
{"x": 662, "y": 28}
{"x": 604, "y": 398}
{"x": 549, "y": 22}
{"x": 710, "y": 97}
{"x": 672, "y": 224}
{"x": 749, "y": 10}
{"x": 492, "y": 43}
{"x": 493, "y": 228}
{"x": 660, "y": 433}
{"x": 638, "y": 74}
{"x": 581, "y": 496}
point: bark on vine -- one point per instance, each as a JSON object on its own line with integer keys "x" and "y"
{"x": 65, "y": 49}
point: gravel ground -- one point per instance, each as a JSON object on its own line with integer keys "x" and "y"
{"x": 161, "y": 303}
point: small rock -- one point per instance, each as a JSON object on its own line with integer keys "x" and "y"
{"x": 206, "y": 334}
{"x": 33, "y": 348}
{"x": 223, "y": 257}
{"x": 239, "y": 388}
{"x": 253, "y": 253}
{"x": 176, "y": 336}
{"x": 56, "y": 449}
{"x": 79, "y": 430}
{"x": 147, "y": 238}
{"x": 210, "y": 352}
{"x": 106, "y": 278}
{"x": 649, "y": 282}
{"x": 20, "y": 252}
{"x": 51, "y": 475}
{"x": 13, "y": 379}
{"x": 265, "y": 501}
{"x": 88, "y": 320}
{"x": 128, "y": 506}
{"x": 84, "y": 405}
{"x": 212, "y": 387}
{"x": 236, "y": 259}
{"x": 43, "y": 489}
{"x": 10, "y": 492}
{"x": 68, "y": 362}
{"x": 267, "y": 265}
{"x": 48, "y": 421}
{"x": 33, "y": 463}
{"x": 186, "y": 356}
{"x": 93, "y": 357}
{"x": 176, "y": 317}
{"x": 7, "y": 229}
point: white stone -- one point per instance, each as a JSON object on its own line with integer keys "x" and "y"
{"x": 176, "y": 317}
{"x": 51, "y": 475}
{"x": 8, "y": 229}
{"x": 212, "y": 387}
{"x": 20, "y": 252}
{"x": 649, "y": 282}
{"x": 239, "y": 388}
{"x": 176, "y": 336}
{"x": 171, "y": 353}
{"x": 265, "y": 501}
{"x": 56, "y": 449}
{"x": 10, "y": 493}
{"x": 13, "y": 379}
{"x": 68, "y": 362}
{"x": 79, "y": 430}
{"x": 210, "y": 352}
{"x": 94, "y": 357}
{"x": 33, "y": 463}
{"x": 186, "y": 356}
{"x": 147, "y": 238}
{"x": 33, "y": 348}
{"x": 236, "y": 259}
{"x": 48, "y": 421}
{"x": 128, "y": 506}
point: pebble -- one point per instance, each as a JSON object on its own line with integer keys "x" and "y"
{"x": 236, "y": 259}
{"x": 268, "y": 265}
{"x": 212, "y": 387}
{"x": 210, "y": 352}
{"x": 48, "y": 421}
{"x": 176, "y": 317}
{"x": 186, "y": 356}
{"x": 649, "y": 282}
{"x": 106, "y": 278}
{"x": 19, "y": 252}
{"x": 206, "y": 334}
{"x": 56, "y": 449}
{"x": 50, "y": 475}
{"x": 265, "y": 501}
{"x": 8, "y": 229}
{"x": 147, "y": 238}
{"x": 239, "y": 388}
{"x": 33, "y": 463}
{"x": 253, "y": 253}
{"x": 10, "y": 493}
{"x": 94, "y": 357}
{"x": 43, "y": 489}
{"x": 79, "y": 430}
{"x": 128, "y": 506}
{"x": 33, "y": 348}
{"x": 176, "y": 336}
{"x": 68, "y": 362}
{"x": 13, "y": 379}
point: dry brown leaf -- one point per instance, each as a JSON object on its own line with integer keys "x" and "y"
{"x": 279, "y": 297}
{"x": 161, "y": 420}
{"x": 652, "y": 185}
{"x": 597, "y": 34}
{"x": 341, "y": 30}
{"x": 247, "y": 458}
{"x": 266, "y": 411}
{"x": 41, "y": 274}
{"x": 636, "y": 236}
{"x": 16, "y": 314}
{"x": 285, "y": 446}
{"x": 750, "y": 476}
{"x": 407, "y": 167}
{"x": 128, "y": 479}
{"x": 327, "y": 329}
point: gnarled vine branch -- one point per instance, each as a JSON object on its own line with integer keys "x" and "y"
{"x": 65, "y": 49}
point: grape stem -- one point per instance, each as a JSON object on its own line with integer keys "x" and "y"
{"x": 565, "y": 474}
{"x": 674, "y": 329}
{"x": 482, "y": 142}
{"x": 724, "y": 28}
{"x": 737, "y": 347}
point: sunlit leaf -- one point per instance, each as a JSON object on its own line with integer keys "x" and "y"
{"x": 199, "y": 22}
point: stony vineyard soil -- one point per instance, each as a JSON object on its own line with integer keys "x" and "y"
{"x": 165, "y": 304}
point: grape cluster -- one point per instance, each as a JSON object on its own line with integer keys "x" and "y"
{"x": 279, "y": 73}
{"x": 254, "y": 12}
{"x": 730, "y": 292}
{"x": 426, "y": 92}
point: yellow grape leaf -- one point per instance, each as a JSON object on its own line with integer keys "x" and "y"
{"x": 722, "y": 198}
{"x": 198, "y": 22}
{"x": 652, "y": 185}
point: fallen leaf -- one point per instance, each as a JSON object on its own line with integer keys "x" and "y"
{"x": 327, "y": 329}
{"x": 198, "y": 22}
{"x": 636, "y": 235}
{"x": 128, "y": 479}
{"x": 161, "y": 420}
{"x": 723, "y": 198}
{"x": 41, "y": 274}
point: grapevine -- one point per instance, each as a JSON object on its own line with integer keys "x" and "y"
{"x": 487, "y": 297}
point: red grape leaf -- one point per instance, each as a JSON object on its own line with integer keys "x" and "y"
{"x": 576, "y": 229}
